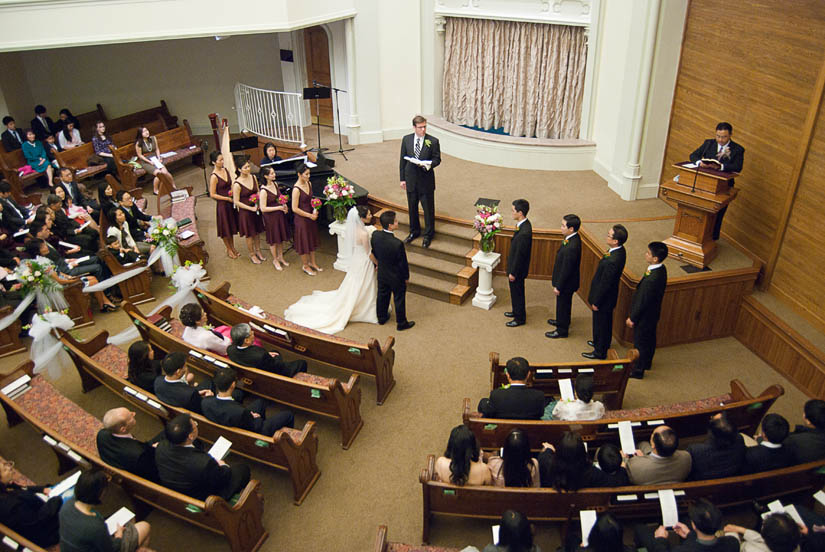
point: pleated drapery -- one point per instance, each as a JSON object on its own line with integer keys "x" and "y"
{"x": 525, "y": 77}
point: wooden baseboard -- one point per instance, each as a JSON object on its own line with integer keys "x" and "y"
{"x": 775, "y": 342}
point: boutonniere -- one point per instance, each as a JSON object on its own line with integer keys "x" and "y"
{"x": 647, "y": 273}
{"x": 564, "y": 242}
{"x": 427, "y": 142}
{"x": 606, "y": 255}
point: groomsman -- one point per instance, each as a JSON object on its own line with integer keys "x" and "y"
{"x": 566, "y": 275}
{"x": 518, "y": 262}
{"x": 647, "y": 305}
{"x": 604, "y": 292}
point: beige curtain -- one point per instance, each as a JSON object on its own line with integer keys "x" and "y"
{"x": 525, "y": 77}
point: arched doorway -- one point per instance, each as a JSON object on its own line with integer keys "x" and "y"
{"x": 316, "y": 49}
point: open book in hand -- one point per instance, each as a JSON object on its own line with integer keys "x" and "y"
{"x": 425, "y": 163}
{"x": 220, "y": 448}
{"x": 715, "y": 162}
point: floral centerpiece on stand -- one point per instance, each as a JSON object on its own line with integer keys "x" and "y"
{"x": 487, "y": 222}
{"x": 340, "y": 194}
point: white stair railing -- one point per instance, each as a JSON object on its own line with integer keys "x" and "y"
{"x": 268, "y": 113}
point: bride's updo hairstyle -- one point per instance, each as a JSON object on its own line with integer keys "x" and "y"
{"x": 363, "y": 211}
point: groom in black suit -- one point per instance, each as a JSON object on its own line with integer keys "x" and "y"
{"x": 566, "y": 275}
{"x": 393, "y": 272}
{"x": 419, "y": 180}
{"x": 604, "y": 292}
{"x": 518, "y": 262}
{"x": 646, "y": 307}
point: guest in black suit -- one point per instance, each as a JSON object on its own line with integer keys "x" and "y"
{"x": 566, "y": 275}
{"x": 77, "y": 197}
{"x": 647, "y": 306}
{"x": 185, "y": 469}
{"x": 244, "y": 352}
{"x": 609, "y": 458}
{"x": 15, "y": 216}
{"x": 727, "y": 153}
{"x": 225, "y": 410}
{"x": 705, "y": 522}
{"x": 138, "y": 220}
{"x": 12, "y": 137}
{"x": 518, "y": 262}
{"x": 419, "y": 181}
{"x": 604, "y": 292}
{"x": 42, "y": 124}
{"x": 517, "y": 401}
{"x": 22, "y": 511}
{"x": 176, "y": 386}
{"x": 117, "y": 446}
{"x": 143, "y": 368}
{"x": 393, "y": 272}
{"x": 769, "y": 453}
{"x": 721, "y": 455}
{"x": 68, "y": 230}
{"x": 807, "y": 442}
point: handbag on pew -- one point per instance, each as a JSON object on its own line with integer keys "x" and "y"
{"x": 95, "y": 159}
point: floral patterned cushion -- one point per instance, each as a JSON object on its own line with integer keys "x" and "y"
{"x": 182, "y": 210}
{"x": 52, "y": 409}
{"x": 669, "y": 409}
{"x": 400, "y": 547}
{"x": 113, "y": 359}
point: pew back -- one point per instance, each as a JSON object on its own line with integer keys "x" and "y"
{"x": 129, "y": 135}
{"x": 140, "y": 118}
{"x": 77, "y": 159}
{"x": 88, "y": 121}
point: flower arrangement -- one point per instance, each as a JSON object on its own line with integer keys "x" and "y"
{"x": 339, "y": 193}
{"x": 253, "y": 199}
{"x": 36, "y": 275}
{"x": 283, "y": 199}
{"x": 164, "y": 234}
{"x": 487, "y": 222}
{"x": 316, "y": 203}
{"x": 42, "y": 316}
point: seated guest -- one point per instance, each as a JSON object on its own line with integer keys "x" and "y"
{"x": 12, "y": 137}
{"x": 583, "y": 408}
{"x": 270, "y": 155}
{"x": 22, "y": 511}
{"x": 143, "y": 368}
{"x": 15, "y": 216}
{"x": 769, "y": 453}
{"x": 106, "y": 197}
{"x": 779, "y": 533}
{"x": 185, "y": 469}
{"x": 36, "y": 157}
{"x": 118, "y": 447}
{"x": 807, "y": 442}
{"x": 567, "y": 467}
{"x": 244, "y": 352}
{"x": 137, "y": 219}
{"x": 193, "y": 319}
{"x": 515, "y": 467}
{"x": 65, "y": 116}
{"x": 515, "y": 534}
{"x": 516, "y": 401}
{"x": 50, "y": 145}
{"x": 461, "y": 463}
{"x": 120, "y": 229}
{"x": 101, "y": 143}
{"x": 69, "y": 230}
{"x": 658, "y": 462}
{"x": 609, "y": 458}
{"x": 721, "y": 455}
{"x": 175, "y": 387}
{"x": 74, "y": 196}
{"x": 705, "y": 521}
{"x": 69, "y": 137}
{"x": 225, "y": 410}
{"x": 83, "y": 529}
{"x": 121, "y": 254}
{"x": 606, "y": 535}
{"x": 42, "y": 125}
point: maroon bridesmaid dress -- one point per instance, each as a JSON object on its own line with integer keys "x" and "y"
{"x": 306, "y": 230}
{"x": 226, "y": 216}
{"x": 277, "y": 230}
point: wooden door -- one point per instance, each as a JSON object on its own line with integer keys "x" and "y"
{"x": 316, "y": 51}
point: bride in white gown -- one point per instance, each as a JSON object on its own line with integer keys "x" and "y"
{"x": 354, "y": 300}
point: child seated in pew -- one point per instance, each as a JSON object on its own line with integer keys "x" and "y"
{"x": 609, "y": 460}
{"x": 462, "y": 463}
{"x": 225, "y": 410}
{"x": 583, "y": 407}
{"x": 123, "y": 255}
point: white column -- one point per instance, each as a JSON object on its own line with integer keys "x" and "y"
{"x": 342, "y": 259}
{"x": 354, "y": 124}
{"x": 485, "y": 263}
{"x": 438, "y": 65}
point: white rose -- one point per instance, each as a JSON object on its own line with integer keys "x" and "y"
{"x": 166, "y": 232}
{"x": 37, "y": 274}
{"x": 30, "y": 278}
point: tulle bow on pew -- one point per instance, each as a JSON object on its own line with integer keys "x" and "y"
{"x": 35, "y": 276}
{"x": 46, "y": 349}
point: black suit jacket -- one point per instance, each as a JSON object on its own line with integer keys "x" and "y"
{"x": 11, "y": 220}
{"x": 230, "y": 413}
{"x": 604, "y": 289}
{"x": 517, "y": 402}
{"x": 711, "y": 461}
{"x": 566, "y": 268}
{"x": 190, "y": 471}
{"x": 133, "y": 216}
{"x": 258, "y": 357}
{"x": 41, "y": 131}
{"x": 9, "y": 143}
{"x": 178, "y": 393}
{"x": 722, "y": 544}
{"x": 392, "y": 258}
{"x": 708, "y": 151}
{"x": 127, "y": 454}
{"x": 417, "y": 178}
{"x": 806, "y": 444}
{"x": 761, "y": 458}
{"x": 647, "y": 300}
{"x": 518, "y": 259}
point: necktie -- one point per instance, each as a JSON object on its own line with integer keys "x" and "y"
{"x": 17, "y": 136}
{"x": 417, "y": 148}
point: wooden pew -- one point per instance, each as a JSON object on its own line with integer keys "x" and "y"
{"x": 88, "y": 122}
{"x": 193, "y": 248}
{"x": 291, "y": 450}
{"x": 10, "y": 162}
{"x": 75, "y": 429}
{"x": 369, "y": 359}
{"x": 325, "y": 397}
{"x": 383, "y": 545}
{"x": 687, "y": 420}
{"x": 609, "y": 376}
{"x": 129, "y": 135}
{"x": 137, "y": 289}
{"x": 80, "y": 306}
{"x": 76, "y": 159}
{"x": 10, "y": 337}
{"x": 142, "y": 117}
{"x": 627, "y": 503}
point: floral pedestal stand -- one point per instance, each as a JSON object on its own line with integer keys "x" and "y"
{"x": 341, "y": 261}
{"x": 485, "y": 263}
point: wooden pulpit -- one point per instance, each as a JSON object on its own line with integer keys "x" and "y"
{"x": 699, "y": 195}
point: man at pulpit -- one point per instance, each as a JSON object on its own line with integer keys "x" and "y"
{"x": 721, "y": 154}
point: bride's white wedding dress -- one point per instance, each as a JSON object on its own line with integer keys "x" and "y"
{"x": 354, "y": 300}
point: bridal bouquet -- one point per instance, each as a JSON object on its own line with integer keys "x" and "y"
{"x": 340, "y": 194}
{"x": 487, "y": 222}
{"x": 35, "y": 276}
{"x": 164, "y": 234}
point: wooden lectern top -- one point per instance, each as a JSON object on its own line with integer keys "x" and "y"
{"x": 704, "y": 179}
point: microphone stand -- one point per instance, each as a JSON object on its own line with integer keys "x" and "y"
{"x": 204, "y": 149}
{"x": 341, "y": 149}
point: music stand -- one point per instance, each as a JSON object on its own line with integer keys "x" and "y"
{"x": 317, "y": 93}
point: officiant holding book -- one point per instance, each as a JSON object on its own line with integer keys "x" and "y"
{"x": 721, "y": 154}
{"x": 420, "y": 154}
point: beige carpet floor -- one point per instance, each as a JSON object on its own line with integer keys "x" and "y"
{"x": 438, "y": 363}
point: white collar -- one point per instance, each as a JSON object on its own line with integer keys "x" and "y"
{"x": 571, "y": 235}
{"x": 518, "y": 385}
{"x": 653, "y": 266}
{"x": 770, "y": 445}
{"x": 519, "y": 223}
{"x": 720, "y": 147}
{"x": 612, "y": 249}
{"x": 181, "y": 380}
{"x": 388, "y": 231}
{"x": 123, "y": 435}
{"x": 224, "y": 398}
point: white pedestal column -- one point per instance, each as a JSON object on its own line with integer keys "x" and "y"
{"x": 342, "y": 259}
{"x": 485, "y": 263}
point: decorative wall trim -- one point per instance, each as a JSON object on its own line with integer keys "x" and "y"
{"x": 557, "y": 12}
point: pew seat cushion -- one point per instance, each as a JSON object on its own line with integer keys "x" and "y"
{"x": 669, "y": 409}
{"x": 182, "y": 210}
{"x": 114, "y": 359}
{"x": 181, "y": 153}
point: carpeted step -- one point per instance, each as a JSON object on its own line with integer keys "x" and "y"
{"x": 436, "y": 288}
{"x": 447, "y": 270}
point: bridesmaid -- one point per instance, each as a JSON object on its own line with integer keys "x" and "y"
{"x": 250, "y": 224}
{"x": 36, "y": 156}
{"x": 274, "y": 215}
{"x": 226, "y": 217}
{"x": 305, "y": 240}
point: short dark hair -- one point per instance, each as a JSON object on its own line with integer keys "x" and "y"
{"x": 36, "y": 226}
{"x": 605, "y": 535}
{"x": 33, "y": 247}
{"x": 609, "y": 458}
{"x": 213, "y": 156}
{"x": 111, "y": 240}
{"x": 522, "y": 206}
{"x": 518, "y": 368}
{"x": 178, "y": 429}
{"x": 173, "y": 362}
{"x": 705, "y": 516}
{"x": 190, "y": 314}
{"x": 52, "y": 199}
{"x": 584, "y": 387}
{"x": 302, "y": 168}
{"x": 119, "y": 195}
{"x": 90, "y": 486}
{"x": 66, "y": 169}
{"x": 8, "y": 119}
{"x": 658, "y": 250}
{"x": 722, "y": 430}
{"x": 573, "y": 221}
{"x": 5, "y": 187}
{"x": 815, "y": 412}
{"x": 780, "y": 532}
{"x": 619, "y": 233}
{"x": 775, "y": 427}
{"x": 224, "y": 378}
{"x": 39, "y": 109}
{"x": 387, "y": 218}
{"x": 418, "y": 119}
{"x": 666, "y": 442}
{"x": 725, "y": 126}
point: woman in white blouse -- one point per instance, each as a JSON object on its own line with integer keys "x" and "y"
{"x": 194, "y": 333}
{"x": 69, "y": 137}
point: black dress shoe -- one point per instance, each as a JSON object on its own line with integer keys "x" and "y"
{"x": 427, "y": 242}
{"x": 592, "y": 355}
{"x": 590, "y": 342}
{"x": 554, "y": 334}
{"x": 514, "y": 323}
{"x": 637, "y": 375}
{"x": 405, "y": 326}
{"x": 552, "y": 322}
{"x": 509, "y": 314}
{"x": 411, "y": 237}
{"x": 382, "y": 322}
